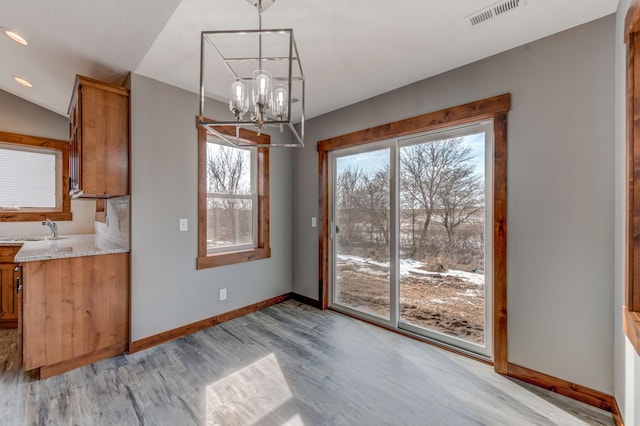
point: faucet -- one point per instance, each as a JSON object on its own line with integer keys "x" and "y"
{"x": 53, "y": 226}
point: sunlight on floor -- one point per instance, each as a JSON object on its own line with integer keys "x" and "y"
{"x": 255, "y": 394}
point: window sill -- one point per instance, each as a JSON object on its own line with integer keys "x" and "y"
{"x": 231, "y": 258}
{"x": 631, "y": 327}
{"x": 9, "y": 216}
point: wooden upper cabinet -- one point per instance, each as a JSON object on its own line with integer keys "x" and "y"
{"x": 99, "y": 131}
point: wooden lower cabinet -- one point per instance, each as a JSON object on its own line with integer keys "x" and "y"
{"x": 75, "y": 311}
{"x": 8, "y": 287}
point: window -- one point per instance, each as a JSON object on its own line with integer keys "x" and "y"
{"x": 233, "y": 200}
{"x": 631, "y": 310}
{"x": 33, "y": 178}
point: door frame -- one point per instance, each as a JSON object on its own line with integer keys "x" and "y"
{"x": 495, "y": 108}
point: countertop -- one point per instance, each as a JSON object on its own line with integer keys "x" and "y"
{"x": 64, "y": 246}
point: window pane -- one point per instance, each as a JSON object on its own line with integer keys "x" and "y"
{"x": 27, "y": 179}
{"x": 362, "y": 239}
{"x": 229, "y": 222}
{"x": 228, "y": 170}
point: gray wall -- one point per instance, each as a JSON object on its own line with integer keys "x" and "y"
{"x": 560, "y": 181}
{"x": 167, "y": 290}
{"x": 20, "y": 116}
{"x": 627, "y": 361}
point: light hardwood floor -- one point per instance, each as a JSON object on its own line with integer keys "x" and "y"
{"x": 288, "y": 364}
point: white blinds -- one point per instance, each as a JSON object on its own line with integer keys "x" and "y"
{"x": 27, "y": 179}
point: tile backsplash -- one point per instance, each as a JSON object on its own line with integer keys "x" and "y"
{"x": 117, "y": 226}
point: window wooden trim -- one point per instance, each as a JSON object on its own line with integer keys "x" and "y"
{"x": 262, "y": 250}
{"x": 495, "y": 108}
{"x": 631, "y": 309}
{"x": 64, "y": 213}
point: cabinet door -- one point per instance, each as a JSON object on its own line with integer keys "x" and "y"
{"x": 8, "y": 294}
{"x": 103, "y": 142}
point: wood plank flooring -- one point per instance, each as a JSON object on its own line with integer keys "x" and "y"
{"x": 289, "y": 364}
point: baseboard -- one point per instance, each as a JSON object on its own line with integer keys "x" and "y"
{"x": 306, "y": 300}
{"x": 64, "y": 366}
{"x": 579, "y": 393}
{"x": 185, "y": 330}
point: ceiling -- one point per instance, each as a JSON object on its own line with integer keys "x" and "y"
{"x": 350, "y": 50}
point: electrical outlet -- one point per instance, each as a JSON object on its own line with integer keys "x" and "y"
{"x": 184, "y": 224}
{"x": 223, "y": 294}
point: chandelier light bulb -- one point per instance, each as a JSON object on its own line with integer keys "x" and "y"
{"x": 238, "y": 101}
{"x": 280, "y": 104}
{"x": 261, "y": 87}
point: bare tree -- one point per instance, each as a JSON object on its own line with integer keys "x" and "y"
{"x": 363, "y": 207}
{"x": 348, "y": 183}
{"x": 410, "y": 211}
{"x": 433, "y": 177}
{"x": 373, "y": 200}
{"x": 460, "y": 198}
{"x": 439, "y": 185}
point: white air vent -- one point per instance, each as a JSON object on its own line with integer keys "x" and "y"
{"x": 493, "y": 11}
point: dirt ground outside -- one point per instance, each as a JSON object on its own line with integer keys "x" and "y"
{"x": 449, "y": 301}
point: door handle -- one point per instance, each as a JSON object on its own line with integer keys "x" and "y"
{"x": 333, "y": 230}
{"x": 18, "y": 271}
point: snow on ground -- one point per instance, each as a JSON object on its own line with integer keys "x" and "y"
{"x": 410, "y": 267}
{"x": 358, "y": 259}
{"x": 472, "y": 277}
{"x": 369, "y": 271}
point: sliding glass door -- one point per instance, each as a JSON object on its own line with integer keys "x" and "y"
{"x": 411, "y": 234}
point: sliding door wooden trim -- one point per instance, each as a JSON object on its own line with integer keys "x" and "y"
{"x": 473, "y": 111}
{"x": 323, "y": 190}
{"x": 631, "y": 309}
{"x": 495, "y": 108}
{"x": 500, "y": 242}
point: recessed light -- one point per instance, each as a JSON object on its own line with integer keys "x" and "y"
{"x": 22, "y": 81}
{"x": 15, "y": 37}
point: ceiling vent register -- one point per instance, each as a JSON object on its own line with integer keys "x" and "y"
{"x": 490, "y": 12}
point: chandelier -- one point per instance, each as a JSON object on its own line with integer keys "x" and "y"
{"x": 259, "y": 75}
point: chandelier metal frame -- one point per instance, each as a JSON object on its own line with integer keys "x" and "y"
{"x": 262, "y": 118}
